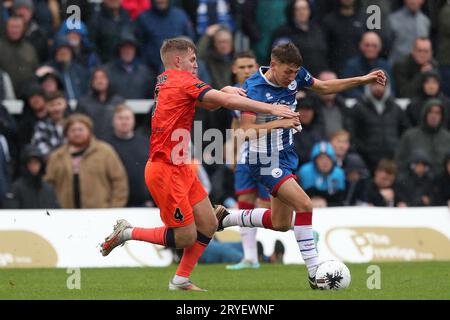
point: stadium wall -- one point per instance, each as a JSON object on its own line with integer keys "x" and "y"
{"x": 70, "y": 238}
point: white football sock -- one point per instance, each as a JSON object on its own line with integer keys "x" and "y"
{"x": 245, "y": 218}
{"x": 126, "y": 234}
{"x": 305, "y": 240}
{"x": 179, "y": 280}
{"x": 248, "y": 237}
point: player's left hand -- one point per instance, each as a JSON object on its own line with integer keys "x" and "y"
{"x": 283, "y": 111}
{"x": 377, "y": 76}
{"x": 234, "y": 90}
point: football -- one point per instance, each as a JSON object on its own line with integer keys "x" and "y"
{"x": 333, "y": 275}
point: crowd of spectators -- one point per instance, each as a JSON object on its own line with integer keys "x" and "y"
{"x": 76, "y": 144}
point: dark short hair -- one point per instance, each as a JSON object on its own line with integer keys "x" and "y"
{"x": 287, "y": 53}
{"x": 244, "y": 54}
{"x": 54, "y": 95}
{"x": 387, "y": 166}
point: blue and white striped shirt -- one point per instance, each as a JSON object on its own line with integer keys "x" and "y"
{"x": 261, "y": 89}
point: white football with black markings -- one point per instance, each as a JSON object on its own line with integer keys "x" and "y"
{"x": 333, "y": 275}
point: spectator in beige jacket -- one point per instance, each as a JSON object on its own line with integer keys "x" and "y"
{"x": 86, "y": 172}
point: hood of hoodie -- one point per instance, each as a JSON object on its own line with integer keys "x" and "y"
{"x": 353, "y": 162}
{"x": 29, "y": 152}
{"x": 55, "y": 75}
{"x": 309, "y": 102}
{"x": 82, "y": 30}
{"x": 127, "y": 37}
{"x": 423, "y": 121}
{"x": 423, "y": 77}
{"x": 32, "y": 89}
{"x": 419, "y": 155}
{"x": 156, "y": 10}
{"x": 387, "y": 93}
{"x": 323, "y": 147}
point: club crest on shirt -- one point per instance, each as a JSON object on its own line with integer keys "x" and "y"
{"x": 292, "y": 85}
{"x": 277, "y": 172}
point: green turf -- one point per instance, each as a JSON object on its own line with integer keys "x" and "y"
{"x": 430, "y": 280}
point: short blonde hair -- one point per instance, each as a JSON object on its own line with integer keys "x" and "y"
{"x": 340, "y": 133}
{"x": 122, "y": 107}
{"x": 176, "y": 44}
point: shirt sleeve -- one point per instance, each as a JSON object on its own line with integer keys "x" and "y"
{"x": 304, "y": 78}
{"x": 195, "y": 88}
{"x": 251, "y": 94}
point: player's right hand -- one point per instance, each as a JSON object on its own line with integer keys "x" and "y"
{"x": 281, "y": 110}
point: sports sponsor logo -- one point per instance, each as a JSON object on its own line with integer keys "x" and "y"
{"x": 200, "y": 85}
{"x": 292, "y": 85}
{"x": 376, "y": 244}
{"x": 307, "y": 77}
{"x": 19, "y": 249}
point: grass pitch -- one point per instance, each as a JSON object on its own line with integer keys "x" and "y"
{"x": 418, "y": 280}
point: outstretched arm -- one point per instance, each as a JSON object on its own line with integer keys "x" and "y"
{"x": 339, "y": 85}
{"x": 237, "y": 102}
{"x": 227, "y": 89}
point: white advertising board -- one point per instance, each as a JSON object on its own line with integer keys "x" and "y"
{"x": 70, "y": 238}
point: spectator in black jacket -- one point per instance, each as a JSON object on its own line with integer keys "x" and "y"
{"x": 30, "y": 191}
{"x": 417, "y": 182}
{"x": 105, "y": 27}
{"x": 383, "y": 191}
{"x": 129, "y": 77}
{"x": 377, "y": 124}
{"x": 343, "y": 30}
{"x": 99, "y": 104}
{"x": 132, "y": 149}
{"x": 305, "y": 34}
{"x": 430, "y": 88}
{"x": 72, "y": 73}
{"x": 407, "y": 71}
{"x": 356, "y": 180}
{"x": 33, "y": 110}
{"x": 430, "y": 135}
